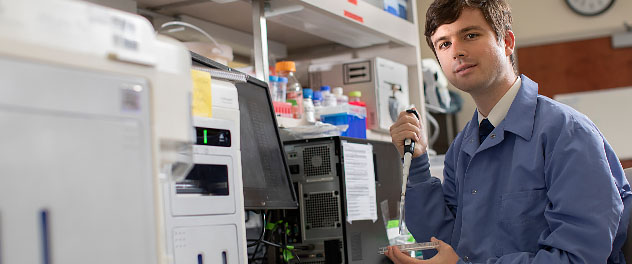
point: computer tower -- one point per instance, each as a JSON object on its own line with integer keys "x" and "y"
{"x": 319, "y": 230}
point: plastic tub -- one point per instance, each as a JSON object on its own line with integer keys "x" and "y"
{"x": 347, "y": 115}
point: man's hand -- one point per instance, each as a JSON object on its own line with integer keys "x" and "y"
{"x": 446, "y": 255}
{"x": 408, "y": 126}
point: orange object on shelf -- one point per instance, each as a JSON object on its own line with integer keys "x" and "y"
{"x": 285, "y": 66}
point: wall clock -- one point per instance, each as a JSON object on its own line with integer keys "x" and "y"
{"x": 589, "y": 7}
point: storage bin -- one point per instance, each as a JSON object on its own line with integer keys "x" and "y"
{"x": 350, "y": 115}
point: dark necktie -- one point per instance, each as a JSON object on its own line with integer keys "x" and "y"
{"x": 484, "y": 129}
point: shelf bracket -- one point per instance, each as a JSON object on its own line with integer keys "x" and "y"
{"x": 260, "y": 32}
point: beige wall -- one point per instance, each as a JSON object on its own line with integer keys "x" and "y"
{"x": 538, "y": 22}
{"x": 125, "y": 5}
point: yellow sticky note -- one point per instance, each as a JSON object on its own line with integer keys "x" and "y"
{"x": 202, "y": 96}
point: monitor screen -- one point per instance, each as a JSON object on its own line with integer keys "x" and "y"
{"x": 265, "y": 173}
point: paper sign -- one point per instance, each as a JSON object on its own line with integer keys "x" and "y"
{"x": 202, "y": 96}
{"x": 359, "y": 181}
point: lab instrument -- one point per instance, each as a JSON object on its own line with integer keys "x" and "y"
{"x": 409, "y": 148}
{"x": 412, "y": 247}
{"x": 80, "y": 87}
{"x": 383, "y": 84}
{"x": 204, "y": 212}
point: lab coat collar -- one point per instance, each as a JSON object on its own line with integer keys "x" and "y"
{"x": 519, "y": 120}
{"x": 521, "y": 116}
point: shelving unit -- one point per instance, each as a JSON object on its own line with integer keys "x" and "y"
{"x": 302, "y": 30}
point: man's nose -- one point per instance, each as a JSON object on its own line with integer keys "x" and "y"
{"x": 458, "y": 50}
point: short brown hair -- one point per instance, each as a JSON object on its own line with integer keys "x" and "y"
{"x": 497, "y": 13}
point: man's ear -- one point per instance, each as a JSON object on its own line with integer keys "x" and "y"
{"x": 510, "y": 42}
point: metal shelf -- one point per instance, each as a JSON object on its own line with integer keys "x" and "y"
{"x": 361, "y": 23}
{"x": 305, "y": 27}
{"x": 300, "y": 24}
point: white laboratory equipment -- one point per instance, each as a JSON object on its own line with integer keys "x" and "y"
{"x": 205, "y": 221}
{"x": 92, "y": 106}
{"x": 383, "y": 83}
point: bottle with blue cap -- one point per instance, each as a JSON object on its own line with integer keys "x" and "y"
{"x": 308, "y": 105}
{"x": 281, "y": 92}
{"x": 276, "y": 90}
{"x": 273, "y": 85}
{"x": 328, "y": 98}
{"x": 317, "y": 98}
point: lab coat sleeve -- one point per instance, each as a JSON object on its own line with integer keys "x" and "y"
{"x": 584, "y": 202}
{"x": 430, "y": 207}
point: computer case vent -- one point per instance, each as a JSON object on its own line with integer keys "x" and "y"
{"x": 322, "y": 210}
{"x": 316, "y": 161}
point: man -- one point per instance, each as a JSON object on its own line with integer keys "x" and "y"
{"x": 528, "y": 180}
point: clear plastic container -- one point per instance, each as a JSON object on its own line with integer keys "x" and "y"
{"x": 317, "y": 99}
{"x": 340, "y": 97}
{"x": 308, "y": 105}
{"x": 282, "y": 89}
{"x": 328, "y": 98}
{"x": 273, "y": 86}
{"x": 351, "y": 116}
{"x": 294, "y": 92}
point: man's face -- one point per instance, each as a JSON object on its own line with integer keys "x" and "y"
{"x": 469, "y": 53}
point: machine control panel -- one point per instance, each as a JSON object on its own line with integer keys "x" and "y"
{"x": 212, "y": 137}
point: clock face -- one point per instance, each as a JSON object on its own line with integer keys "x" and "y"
{"x": 589, "y": 7}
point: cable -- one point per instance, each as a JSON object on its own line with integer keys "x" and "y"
{"x": 297, "y": 258}
{"x": 254, "y": 253}
{"x": 258, "y": 241}
{"x": 261, "y": 240}
{"x": 435, "y": 133}
{"x": 263, "y": 231}
{"x": 185, "y": 24}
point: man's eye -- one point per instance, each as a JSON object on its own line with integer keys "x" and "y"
{"x": 444, "y": 45}
{"x": 471, "y": 35}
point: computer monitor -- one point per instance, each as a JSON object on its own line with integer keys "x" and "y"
{"x": 265, "y": 173}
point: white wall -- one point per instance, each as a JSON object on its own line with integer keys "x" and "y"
{"x": 125, "y": 5}
{"x": 538, "y": 22}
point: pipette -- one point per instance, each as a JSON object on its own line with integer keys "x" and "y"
{"x": 409, "y": 148}
{"x": 411, "y": 247}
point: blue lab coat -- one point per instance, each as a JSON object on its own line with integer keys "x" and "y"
{"x": 544, "y": 187}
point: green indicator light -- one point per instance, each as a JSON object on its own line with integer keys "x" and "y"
{"x": 205, "y": 137}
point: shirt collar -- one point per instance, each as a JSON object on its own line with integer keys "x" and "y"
{"x": 520, "y": 118}
{"x": 499, "y": 111}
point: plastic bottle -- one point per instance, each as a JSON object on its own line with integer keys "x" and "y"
{"x": 340, "y": 97}
{"x": 328, "y": 98}
{"x": 318, "y": 103}
{"x": 282, "y": 90}
{"x": 308, "y": 105}
{"x": 317, "y": 99}
{"x": 354, "y": 98}
{"x": 294, "y": 93}
{"x": 273, "y": 82}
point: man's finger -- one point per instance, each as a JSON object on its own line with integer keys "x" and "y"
{"x": 406, "y": 128}
{"x": 399, "y": 257}
{"x": 403, "y": 115}
{"x": 442, "y": 245}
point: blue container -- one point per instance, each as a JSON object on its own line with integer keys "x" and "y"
{"x": 357, "y": 124}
